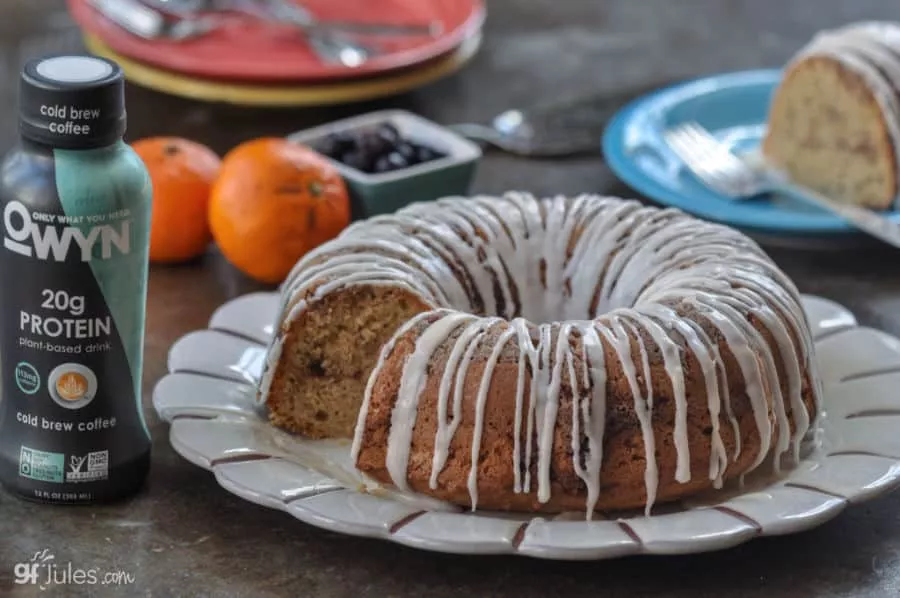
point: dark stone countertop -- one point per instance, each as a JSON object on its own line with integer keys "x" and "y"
{"x": 185, "y": 536}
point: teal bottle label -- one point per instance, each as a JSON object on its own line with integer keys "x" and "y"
{"x": 75, "y": 228}
{"x": 121, "y": 248}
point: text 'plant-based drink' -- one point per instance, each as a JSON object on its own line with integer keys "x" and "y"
{"x": 75, "y": 204}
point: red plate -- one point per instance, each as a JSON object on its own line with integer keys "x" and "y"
{"x": 247, "y": 49}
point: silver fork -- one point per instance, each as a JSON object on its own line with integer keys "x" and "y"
{"x": 331, "y": 46}
{"x": 149, "y": 23}
{"x": 738, "y": 178}
{"x": 294, "y": 13}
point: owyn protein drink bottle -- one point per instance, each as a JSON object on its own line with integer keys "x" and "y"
{"x": 75, "y": 204}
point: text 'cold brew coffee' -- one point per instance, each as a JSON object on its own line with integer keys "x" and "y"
{"x": 75, "y": 204}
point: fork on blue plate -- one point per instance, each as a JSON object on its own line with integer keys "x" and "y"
{"x": 740, "y": 178}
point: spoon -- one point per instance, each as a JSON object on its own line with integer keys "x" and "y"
{"x": 557, "y": 129}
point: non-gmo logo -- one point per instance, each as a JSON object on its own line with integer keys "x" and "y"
{"x": 27, "y": 378}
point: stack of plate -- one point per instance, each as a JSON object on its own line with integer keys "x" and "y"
{"x": 248, "y": 61}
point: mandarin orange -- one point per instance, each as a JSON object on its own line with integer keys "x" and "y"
{"x": 182, "y": 173}
{"x": 272, "y": 202}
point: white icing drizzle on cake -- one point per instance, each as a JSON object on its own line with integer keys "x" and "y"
{"x": 554, "y": 286}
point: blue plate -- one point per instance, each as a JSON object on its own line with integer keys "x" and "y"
{"x": 733, "y": 107}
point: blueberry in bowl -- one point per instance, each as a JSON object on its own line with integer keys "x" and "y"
{"x": 391, "y": 158}
{"x": 376, "y": 149}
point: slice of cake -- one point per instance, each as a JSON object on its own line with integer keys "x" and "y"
{"x": 834, "y": 122}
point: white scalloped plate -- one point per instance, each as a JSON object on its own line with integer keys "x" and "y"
{"x": 209, "y": 399}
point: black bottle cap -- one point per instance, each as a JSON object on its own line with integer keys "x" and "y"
{"x": 72, "y": 102}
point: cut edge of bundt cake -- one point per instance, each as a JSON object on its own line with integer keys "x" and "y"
{"x": 326, "y": 354}
{"x": 831, "y": 130}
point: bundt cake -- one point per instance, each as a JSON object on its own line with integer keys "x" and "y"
{"x": 524, "y": 354}
{"x": 834, "y": 121}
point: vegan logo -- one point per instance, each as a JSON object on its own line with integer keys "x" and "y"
{"x": 87, "y": 468}
{"x": 75, "y": 463}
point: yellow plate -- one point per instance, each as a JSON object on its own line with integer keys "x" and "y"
{"x": 290, "y": 94}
